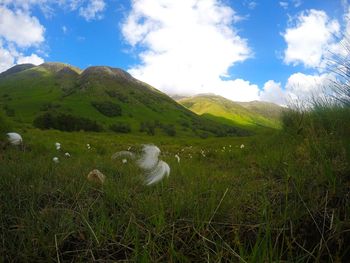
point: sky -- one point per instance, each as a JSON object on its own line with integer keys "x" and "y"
{"x": 245, "y": 50}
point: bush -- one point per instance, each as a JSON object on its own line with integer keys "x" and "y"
{"x": 65, "y": 122}
{"x": 121, "y": 127}
{"x": 148, "y": 127}
{"x": 108, "y": 108}
{"x": 169, "y": 129}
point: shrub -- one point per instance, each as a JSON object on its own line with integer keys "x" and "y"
{"x": 108, "y": 108}
{"x": 65, "y": 122}
{"x": 169, "y": 129}
{"x": 121, "y": 127}
{"x": 148, "y": 127}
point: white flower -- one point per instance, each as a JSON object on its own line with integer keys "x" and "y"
{"x": 88, "y": 146}
{"x": 177, "y": 158}
{"x": 124, "y": 161}
{"x": 242, "y": 146}
{"x": 55, "y": 160}
{"x": 67, "y": 154}
{"x": 14, "y": 138}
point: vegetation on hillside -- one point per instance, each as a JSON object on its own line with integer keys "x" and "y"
{"x": 277, "y": 197}
{"x": 100, "y": 94}
{"x": 249, "y": 114}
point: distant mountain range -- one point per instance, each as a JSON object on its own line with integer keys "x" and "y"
{"x": 252, "y": 114}
{"x": 61, "y": 96}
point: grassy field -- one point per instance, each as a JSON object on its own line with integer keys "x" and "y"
{"x": 284, "y": 197}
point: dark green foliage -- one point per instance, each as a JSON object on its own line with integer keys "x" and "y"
{"x": 9, "y": 111}
{"x": 222, "y": 130}
{"x": 169, "y": 129}
{"x": 148, "y": 127}
{"x": 49, "y": 106}
{"x": 65, "y": 122}
{"x": 108, "y": 108}
{"x": 121, "y": 127}
{"x": 118, "y": 95}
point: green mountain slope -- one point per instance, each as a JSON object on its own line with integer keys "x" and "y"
{"x": 243, "y": 114}
{"x": 267, "y": 109}
{"x": 56, "y": 94}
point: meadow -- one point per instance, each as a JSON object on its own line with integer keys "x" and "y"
{"x": 283, "y": 197}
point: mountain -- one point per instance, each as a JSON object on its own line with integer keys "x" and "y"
{"x": 267, "y": 109}
{"x": 61, "y": 96}
{"x": 250, "y": 114}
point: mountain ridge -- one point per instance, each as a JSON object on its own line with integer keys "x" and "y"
{"x": 51, "y": 92}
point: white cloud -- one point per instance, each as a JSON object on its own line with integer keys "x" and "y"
{"x": 187, "y": 46}
{"x": 273, "y": 92}
{"x": 93, "y": 10}
{"x": 310, "y": 38}
{"x": 297, "y": 3}
{"x": 284, "y": 5}
{"x": 32, "y": 59}
{"x": 303, "y": 88}
{"x": 6, "y": 59}
{"x": 21, "y": 28}
{"x": 238, "y": 90}
{"x": 252, "y": 4}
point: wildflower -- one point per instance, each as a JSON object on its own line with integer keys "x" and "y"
{"x": 67, "y": 154}
{"x": 124, "y": 161}
{"x": 242, "y": 146}
{"x": 177, "y": 158}
{"x": 88, "y": 146}
{"x": 96, "y": 176}
{"x": 55, "y": 160}
{"x": 14, "y": 138}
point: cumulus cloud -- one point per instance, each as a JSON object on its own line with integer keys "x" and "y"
{"x": 304, "y": 87}
{"x": 32, "y": 59}
{"x": 93, "y": 10}
{"x": 19, "y": 31}
{"x": 310, "y": 38}
{"x": 273, "y": 92}
{"x": 21, "y": 28}
{"x": 187, "y": 46}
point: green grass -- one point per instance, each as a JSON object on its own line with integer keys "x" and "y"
{"x": 283, "y": 197}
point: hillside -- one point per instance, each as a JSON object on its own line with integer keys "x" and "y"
{"x": 61, "y": 96}
{"x": 251, "y": 114}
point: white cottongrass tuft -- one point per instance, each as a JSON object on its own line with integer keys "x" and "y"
{"x": 67, "y": 154}
{"x": 88, "y": 146}
{"x": 154, "y": 169}
{"x": 177, "y": 158}
{"x": 55, "y": 160}
{"x": 158, "y": 172}
{"x": 242, "y": 146}
{"x": 123, "y": 154}
{"x": 149, "y": 158}
{"x": 14, "y": 138}
{"x": 58, "y": 146}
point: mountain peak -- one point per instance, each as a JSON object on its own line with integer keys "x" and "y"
{"x": 58, "y": 66}
{"x": 109, "y": 71}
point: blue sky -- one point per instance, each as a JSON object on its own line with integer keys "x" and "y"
{"x": 243, "y": 50}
